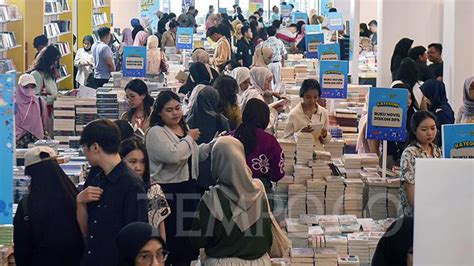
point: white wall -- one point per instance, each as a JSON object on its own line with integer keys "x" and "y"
{"x": 123, "y": 11}
{"x": 343, "y": 6}
{"x": 368, "y": 10}
{"x": 420, "y": 20}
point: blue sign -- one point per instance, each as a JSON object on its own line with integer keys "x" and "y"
{"x": 184, "y": 38}
{"x": 300, "y": 16}
{"x": 134, "y": 61}
{"x": 148, "y": 10}
{"x": 387, "y": 114}
{"x": 7, "y": 87}
{"x": 324, "y": 6}
{"x": 333, "y": 79}
{"x": 222, "y": 10}
{"x": 310, "y": 29}
{"x": 330, "y": 51}
{"x": 336, "y": 21}
{"x": 458, "y": 141}
{"x": 312, "y": 42}
{"x": 285, "y": 11}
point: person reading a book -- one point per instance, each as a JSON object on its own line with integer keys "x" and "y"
{"x": 422, "y": 137}
{"x": 308, "y": 112}
{"x": 113, "y": 198}
{"x": 140, "y": 103}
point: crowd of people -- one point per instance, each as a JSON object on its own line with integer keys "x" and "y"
{"x": 170, "y": 177}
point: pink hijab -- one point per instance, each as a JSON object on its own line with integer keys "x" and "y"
{"x": 127, "y": 37}
{"x": 28, "y": 113}
{"x": 141, "y": 38}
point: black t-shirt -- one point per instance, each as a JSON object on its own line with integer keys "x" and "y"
{"x": 436, "y": 69}
{"x": 245, "y": 52}
{"x": 425, "y": 73}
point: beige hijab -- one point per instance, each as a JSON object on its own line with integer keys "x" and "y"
{"x": 200, "y": 55}
{"x": 262, "y": 57}
{"x": 153, "y": 56}
{"x": 234, "y": 181}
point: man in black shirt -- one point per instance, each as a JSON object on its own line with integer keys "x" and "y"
{"x": 418, "y": 54}
{"x": 245, "y": 48}
{"x": 111, "y": 199}
{"x": 435, "y": 50}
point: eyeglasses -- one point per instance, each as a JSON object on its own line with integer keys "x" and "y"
{"x": 147, "y": 257}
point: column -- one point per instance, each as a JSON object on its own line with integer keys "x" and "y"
{"x": 354, "y": 42}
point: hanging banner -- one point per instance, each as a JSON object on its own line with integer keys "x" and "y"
{"x": 148, "y": 11}
{"x": 134, "y": 61}
{"x": 333, "y": 79}
{"x": 312, "y": 41}
{"x": 7, "y": 87}
{"x": 184, "y": 38}
{"x": 312, "y": 29}
{"x": 331, "y": 51}
{"x": 324, "y": 6}
{"x": 458, "y": 141}
{"x": 336, "y": 21}
{"x": 285, "y": 11}
{"x": 300, "y": 16}
{"x": 387, "y": 114}
{"x": 254, "y": 5}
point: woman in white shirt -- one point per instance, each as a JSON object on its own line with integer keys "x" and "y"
{"x": 307, "y": 112}
{"x": 84, "y": 61}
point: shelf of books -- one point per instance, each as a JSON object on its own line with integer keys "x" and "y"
{"x": 91, "y": 15}
{"x": 12, "y": 55}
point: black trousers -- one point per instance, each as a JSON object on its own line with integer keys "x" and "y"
{"x": 98, "y": 83}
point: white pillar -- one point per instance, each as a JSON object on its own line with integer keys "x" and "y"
{"x": 354, "y": 42}
{"x": 419, "y": 20}
{"x": 458, "y": 48}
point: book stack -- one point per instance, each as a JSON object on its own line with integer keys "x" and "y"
{"x": 369, "y": 225}
{"x": 302, "y": 174}
{"x": 301, "y": 69}
{"x": 309, "y": 219}
{"x": 296, "y": 229}
{"x": 336, "y": 132}
{"x": 63, "y": 25}
{"x": 7, "y": 40}
{"x": 374, "y": 238}
{"x": 107, "y": 104}
{"x": 320, "y": 169}
{"x": 330, "y": 224}
{"x": 358, "y": 244}
{"x": 353, "y": 197}
{"x": 347, "y": 120}
{"x": 302, "y": 256}
{"x": 334, "y": 195}
{"x": 349, "y": 224}
{"x": 315, "y": 195}
{"x": 369, "y": 160}
{"x": 99, "y": 19}
{"x": 348, "y": 260}
{"x": 353, "y": 173}
{"x": 335, "y": 147}
{"x": 63, "y": 48}
{"x": 339, "y": 243}
{"x": 6, "y": 234}
{"x": 64, "y": 119}
{"x": 86, "y": 111}
{"x": 296, "y": 200}
{"x": 325, "y": 257}
{"x": 322, "y": 155}
{"x": 377, "y": 203}
{"x": 280, "y": 261}
{"x": 352, "y": 161}
{"x": 289, "y": 150}
{"x": 288, "y": 74}
{"x": 304, "y": 148}
{"x": 393, "y": 197}
{"x": 316, "y": 238}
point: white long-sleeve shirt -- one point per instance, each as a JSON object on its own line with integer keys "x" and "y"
{"x": 81, "y": 61}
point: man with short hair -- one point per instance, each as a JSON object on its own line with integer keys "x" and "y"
{"x": 245, "y": 47}
{"x": 435, "y": 51}
{"x": 40, "y": 42}
{"x": 111, "y": 199}
{"x": 223, "y": 50}
{"x": 418, "y": 53}
{"x": 278, "y": 59}
{"x": 373, "y": 29}
{"x": 103, "y": 58}
{"x": 211, "y": 11}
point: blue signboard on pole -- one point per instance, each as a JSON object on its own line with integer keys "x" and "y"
{"x": 134, "y": 61}
{"x": 312, "y": 41}
{"x": 331, "y": 51}
{"x": 184, "y": 38}
{"x": 333, "y": 78}
{"x": 458, "y": 141}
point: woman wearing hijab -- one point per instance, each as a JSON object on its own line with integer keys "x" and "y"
{"x": 46, "y": 231}
{"x": 437, "y": 103}
{"x": 466, "y": 113}
{"x": 396, "y": 246}
{"x": 242, "y": 76}
{"x": 399, "y": 53}
{"x": 31, "y": 115}
{"x": 140, "y": 245}
{"x": 137, "y": 27}
{"x": 162, "y": 23}
{"x": 262, "y": 57}
{"x": 212, "y": 21}
{"x": 154, "y": 57}
{"x": 199, "y": 73}
{"x": 200, "y": 55}
{"x": 408, "y": 73}
{"x": 84, "y": 61}
{"x": 205, "y": 117}
{"x": 141, "y": 38}
{"x": 235, "y": 207}
{"x": 127, "y": 39}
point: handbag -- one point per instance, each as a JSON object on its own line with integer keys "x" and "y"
{"x": 163, "y": 64}
{"x": 281, "y": 243}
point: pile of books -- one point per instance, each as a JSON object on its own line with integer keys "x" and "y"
{"x": 334, "y": 195}
{"x": 358, "y": 244}
{"x": 330, "y": 224}
{"x": 6, "y": 234}
{"x": 335, "y": 147}
{"x": 302, "y": 174}
{"x": 302, "y": 256}
{"x": 325, "y": 257}
{"x": 86, "y": 111}
{"x": 99, "y": 19}
{"x": 336, "y": 132}
{"x": 289, "y": 150}
{"x": 352, "y": 161}
{"x": 296, "y": 230}
{"x": 347, "y": 120}
{"x": 63, "y": 48}
{"x": 107, "y": 104}
{"x": 369, "y": 160}
{"x": 304, "y": 148}
{"x": 369, "y": 225}
{"x": 64, "y": 119}
{"x": 348, "y": 260}
{"x": 296, "y": 200}
{"x": 7, "y": 40}
{"x": 393, "y": 197}
{"x": 288, "y": 74}
{"x": 377, "y": 203}
{"x": 321, "y": 169}
{"x": 339, "y": 243}
{"x": 353, "y": 197}
{"x": 316, "y": 237}
{"x": 315, "y": 196}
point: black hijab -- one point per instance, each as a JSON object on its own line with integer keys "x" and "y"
{"x": 435, "y": 91}
{"x": 400, "y": 52}
{"x": 199, "y": 73}
{"x": 395, "y": 244}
